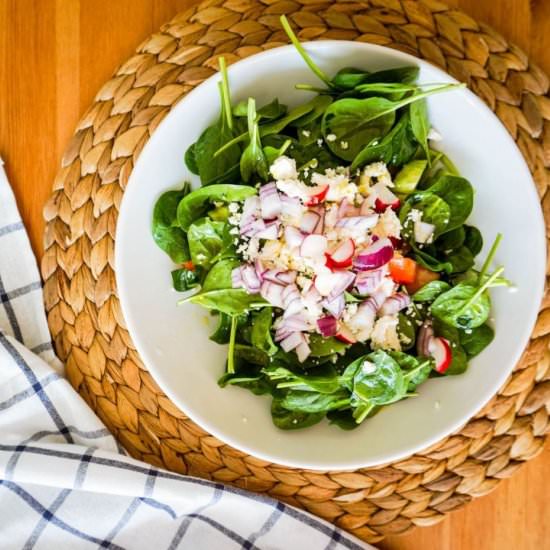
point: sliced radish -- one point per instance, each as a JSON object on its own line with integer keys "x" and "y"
{"x": 346, "y": 209}
{"x": 376, "y": 255}
{"x": 342, "y": 256}
{"x": 344, "y": 334}
{"x": 318, "y": 195}
{"x": 380, "y": 206}
{"x": 314, "y": 246}
{"x": 293, "y": 236}
{"x": 327, "y": 325}
{"x": 320, "y": 227}
{"x": 384, "y": 198}
{"x": 365, "y": 209}
{"x": 309, "y": 221}
{"x": 440, "y": 350}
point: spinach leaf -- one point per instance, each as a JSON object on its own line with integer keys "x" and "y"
{"x": 461, "y": 259}
{"x": 269, "y": 111}
{"x": 429, "y": 261}
{"x": 420, "y": 124}
{"x": 325, "y": 379}
{"x": 319, "y": 104}
{"x": 293, "y": 420}
{"x": 185, "y": 279}
{"x": 458, "y": 193}
{"x": 349, "y": 77}
{"x": 463, "y": 306}
{"x": 406, "y": 330}
{"x": 196, "y": 204}
{"x": 251, "y": 355}
{"x": 344, "y": 129}
{"x": 459, "y": 361}
{"x": 253, "y": 160}
{"x": 451, "y": 240}
{"x": 219, "y": 275}
{"x": 430, "y": 291}
{"x": 475, "y": 340}
{"x": 416, "y": 370}
{"x": 435, "y": 210}
{"x": 257, "y": 384}
{"x": 473, "y": 239}
{"x": 233, "y": 301}
{"x": 404, "y": 75}
{"x": 225, "y": 167}
{"x": 205, "y": 239}
{"x": 190, "y": 160}
{"x": 166, "y": 234}
{"x": 343, "y": 419}
{"x": 261, "y": 331}
{"x": 313, "y": 402}
{"x": 221, "y": 334}
{"x": 321, "y": 347}
{"x": 382, "y": 385}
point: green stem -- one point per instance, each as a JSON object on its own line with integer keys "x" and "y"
{"x": 364, "y": 413}
{"x": 231, "y": 351}
{"x": 225, "y": 93}
{"x": 309, "y": 88}
{"x": 490, "y": 256}
{"x": 402, "y": 103}
{"x": 305, "y": 56}
{"x": 481, "y": 290}
{"x": 446, "y": 161}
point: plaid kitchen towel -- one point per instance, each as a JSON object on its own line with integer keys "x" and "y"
{"x": 64, "y": 482}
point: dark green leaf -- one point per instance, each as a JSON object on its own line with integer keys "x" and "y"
{"x": 221, "y": 334}
{"x": 458, "y": 193}
{"x": 190, "y": 160}
{"x": 261, "y": 331}
{"x": 219, "y": 275}
{"x": 323, "y": 379}
{"x": 475, "y": 340}
{"x": 451, "y": 240}
{"x": 232, "y": 301}
{"x": 430, "y": 291}
{"x": 321, "y": 347}
{"x": 293, "y": 420}
{"x": 205, "y": 239}
{"x": 435, "y": 210}
{"x": 343, "y": 419}
{"x": 473, "y": 239}
{"x": 420, "y": 124}
{"x": 462, "y": 306}
{"x": 184, "y": 279}
{"x": 313, "y": 402}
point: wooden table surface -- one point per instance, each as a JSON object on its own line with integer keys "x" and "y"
{"x": 55, "y": 55}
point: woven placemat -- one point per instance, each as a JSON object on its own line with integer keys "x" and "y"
{"x": 81, "y": 298}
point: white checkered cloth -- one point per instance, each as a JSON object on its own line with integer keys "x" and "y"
{"x": 64, "y": 482}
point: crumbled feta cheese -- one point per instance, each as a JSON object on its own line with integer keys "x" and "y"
{"x": 331, "y": 137}
{"x": 378, "y": 171}
{"x": 284, "y": 168}
{"x": 339, "y": 185}
{"x": 233, "y": 207}
{"x": 349, "y": 311}
{"x": 294, "y": 188}
{"x": 234, "y": 231}
{"x": 388, "y": 225}
{"x": 367, "y": 367}
{"x": 434, "y": 135}
{"x": 306, "y": 133}
{"x": 384, "y": 334}
{"x": 344, "y": 145}
{"x": 319, "y": 142}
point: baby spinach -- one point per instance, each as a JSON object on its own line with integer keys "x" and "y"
{"x": 473, "y": 239}
{"x": 420, "y": 124}
{"x": 321, "y": 347}
{"x": 196, "y": 204}
{"x": 185, "y": 279}
{"x": 253, "y": 160}
{"x": 261, "y": 331}
{"x": 269, "y": 111}
{"x": 343, "y": 419}
{"x": 428, "y": 260}
{"x": 293, "y": 420}
{"x": 313, "y": 402}
{"x": 349, "y": 78}
{"x": 461, "y": 259}
{"x": 475, "y": 340}
{"x": 434, "y": 209}
{"x": 323, "y": 379}
{"x": 430, "y": 291}
{"x": 166, "y": 233}
{"x": 251, "y": 355}
{"x": 232, "y": 301}
{"x": 458, "y": 193}
{"x": 223, "y": 328}
{"x": 406, "y": 330}
{"x": 451, "y": 240}
{"x": 190, "y": 160}
{"x": 257, "y": 384}
{"x": 205, "y": 238}
{"x": 219, "y": 276}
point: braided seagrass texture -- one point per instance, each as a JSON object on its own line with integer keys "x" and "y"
{"x": 81, "y": 297}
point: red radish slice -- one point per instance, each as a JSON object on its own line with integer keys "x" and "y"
{"x": 344, "y": 334}
{"x": 314, "y": 246}
{"x": 346, "y": 209}
{"x": 440, "y": 350}
{"x": 303, "y": 351}
{"x": 327, "y": 326}
{"x": 309, "y": 221}
{"x": 318, "y": 195}
{"x": 395, "y": 303}
{"x": 293, "y": 236}
{"x": 376, "y": 255}
{"x": 342, "y": 256}
{"x": 384, "y": 199}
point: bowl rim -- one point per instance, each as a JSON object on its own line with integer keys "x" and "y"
{"x": 523, "y": 336}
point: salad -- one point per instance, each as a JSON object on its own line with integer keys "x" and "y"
{"x": 331, "y": 241}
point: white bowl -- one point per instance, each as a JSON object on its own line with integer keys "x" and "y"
{"x": 173, "y": 341}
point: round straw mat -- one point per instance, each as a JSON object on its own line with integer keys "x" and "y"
{"x": 81, "y": 297}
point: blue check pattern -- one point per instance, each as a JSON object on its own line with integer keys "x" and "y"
{"x": 65, "y": 482}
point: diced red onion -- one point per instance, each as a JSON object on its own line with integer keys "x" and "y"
{"x": 395, "y": 303}
{"x": 251, "y": 210}
{"x": 376, "y": 255}
{"x": 327, "y": 325}
{"x": 236, "y": 278}
{"x": 425, "y": 335}
{"x": 272, "y": 275}
{"x": 270, "y": 201}
{"x": 270, "y": 232}
{"x": 367, "y": 282}
{"x": 287, "y": 277}
{"x": 293, "y": 236}
{"x": 252, "y": 228}
{"x": 291, "y": 207}
{"x": 345, "y": 279}
{"x": 309, "y": 221}
{"x": 272, "y": 292}
{"x": 303, "y": 351}
{"x": 312, "y": 295}
{"x": 292, "y": 341}
{"x": 296, "y": 322}
{"x": 333, "y": 283}
{"x": 290, "y": 293}
{"x": 260, "y": 268}
{"x": 250, "y": 279}
{"x": 336, "y": 306}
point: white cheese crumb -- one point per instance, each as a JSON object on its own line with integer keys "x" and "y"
{"x": 284, "y": 168}
{"x": 388, "y": 225}
{"x": 319, "y": 142}
{"x": 344, "y": 145}
{"x": 384, "y": 334}
{"x": 233, "y": 207}
{"x": 367, "y": 367}
{"x": 306, "y": 133}
{"x": 331, "y": 137}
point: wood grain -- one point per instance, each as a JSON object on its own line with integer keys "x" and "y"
{"x": 55, "y": 55}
